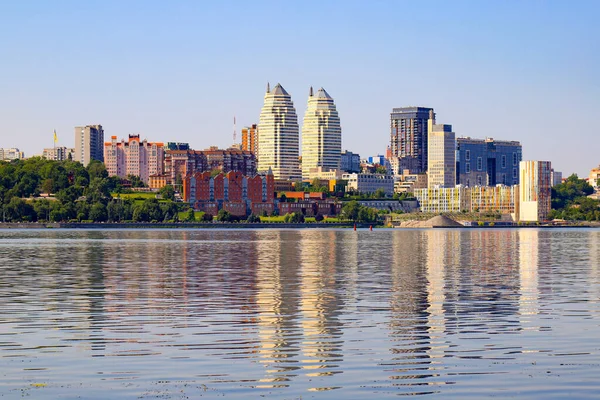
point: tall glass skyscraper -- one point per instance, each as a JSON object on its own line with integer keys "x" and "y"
{"x": 321, "y": 135}
{"x": 278, "y": 135}
{"x": 408, "y": 137}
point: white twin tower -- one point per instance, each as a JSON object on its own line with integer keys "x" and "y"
{"x": 278, "y": 135}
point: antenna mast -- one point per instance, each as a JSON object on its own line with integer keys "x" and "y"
{"x": 234, "y": 131}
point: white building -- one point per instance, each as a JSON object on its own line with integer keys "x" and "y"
{"x": 58, "y": 153}
{"x": 441, "y": 150}
{"x": 535, "y": 190}
{"x": 11, "y": 154}
{"x": 134, "y": 157}
{"x": 278, "y": 135}
{"x": 321, "y": 134}
{"x": 369, "y": 183}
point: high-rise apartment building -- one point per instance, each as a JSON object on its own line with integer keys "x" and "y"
{"x": 321, "y": 134}
{"x": 278, "y": 135}
{"x": 250, "y": 138}
{"x": 441, "y": 155}
{"x": 487, "y": 162}
{"x": 134, "y": 157}
{"x": 535, "y": 190}
{"x": 408, "y": 137}
{"x": 89, "y": 143}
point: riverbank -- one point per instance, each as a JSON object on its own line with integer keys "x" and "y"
{"x": 181, "y": 225}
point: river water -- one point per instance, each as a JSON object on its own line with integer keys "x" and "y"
{"x": 299, "y": 314}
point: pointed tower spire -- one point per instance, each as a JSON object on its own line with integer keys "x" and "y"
{"x": 268, "y": 87}
{"x": 310, "y": 94}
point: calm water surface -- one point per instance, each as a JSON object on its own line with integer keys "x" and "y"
{"x": 296, "y": 314}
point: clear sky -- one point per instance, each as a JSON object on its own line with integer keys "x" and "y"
{"x": 180, "y": 70}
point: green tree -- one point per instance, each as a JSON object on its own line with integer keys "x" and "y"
{"x": 98, "y": 212}
{"x": 253, "y": 219}
{"x": 96, "y": 169}
{"x": 224, "y": 216}
{"x": 167, "y": 192}
{"x": 191, "y": 215}
{"x": 207, "y": 217}
{"x": 19, "y": 210}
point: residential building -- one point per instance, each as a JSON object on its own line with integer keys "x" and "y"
{"x": 177, "y": 146}
{"x": 409, "y": 135}
{"x": 325, "y": 174}
{"x": 350, "y": 162}
{"x": 250, "y": 138}
{"x": 134, "y": 157}
{"x": 535, "y": 190}
{"x": 408, "y": 183}
{"x": 502, "y": 199}
{"x": 443, "y": 199}
{"x": 180, "y": 163}
{"x": 11, "y": 154}
{"x": 487, "y": 162}
{"x": 233, "y": 192}
{"x": 594, "y": 177}
{"x": 321, "y": 134}
{"x": 89, "y": 143}
{"x": 278, "y": 135}
{"x": 157, "y": 181}
{"x": 58, "y": 153}
{"x": 369, "y": 183}
{"x": 557, "y": 177}
{"x": 378, "y": 159}
{"x": 441, "y": 158}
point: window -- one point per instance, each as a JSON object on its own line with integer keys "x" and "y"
{"x": 479, "y": 180}
{"x": 479, "y": 163}
{"x": 503, "y": 161}
{"x": 467, "y": 168}
{"x": 467, "y": 155}
{"x": 515, "y": 159}
{"x": 515, "y": 175}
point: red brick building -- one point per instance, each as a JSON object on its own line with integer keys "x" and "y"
{"x": 233, "y": 192}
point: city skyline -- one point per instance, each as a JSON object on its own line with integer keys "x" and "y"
{"x": 511, "y": 70}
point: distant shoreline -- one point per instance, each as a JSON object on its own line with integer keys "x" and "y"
{"x": 234, "y": 225}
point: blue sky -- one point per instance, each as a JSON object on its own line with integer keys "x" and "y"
{"x": 180, "y": 71}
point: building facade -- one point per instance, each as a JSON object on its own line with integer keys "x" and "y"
{"x": 500, "y": 198}
{"x": 369, "y": 183}
{"x": 557, "y": 178}
{"x": 350, "y": 162}
{"x": 58, "y": 153}
{"x": 535, "y": 190}
{"x": 180, "y": 163}
{"x": 134, "y": 157}
{"x": 409, "y": 135}
{"x": 321, "y": 134}
{"x": 233, "y": 192}
{"x": 89, "y": 143}
{"x": 594, "y": 177}
{"x": 441, "y": 158}
{"x": 250, "y": 139}
{"x": 487, "y": 162}
{"x": 11, "y": 154}
{"x": 278, "y": 135}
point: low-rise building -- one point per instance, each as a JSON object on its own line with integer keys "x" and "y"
{"x": 58, "y": 153}
{"x": 443, "y": 200}
{"x": 594, "y": 177}
{"x": 369, "y": 183}
{"x": 157, "y": 181}
{"x": 11, "y": 154}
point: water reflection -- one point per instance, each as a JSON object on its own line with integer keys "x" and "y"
{"x": 286, "y": 313}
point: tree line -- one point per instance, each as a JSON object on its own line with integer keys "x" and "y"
{"x": 79, "y": 194}
{"x": 570, "y": 201}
